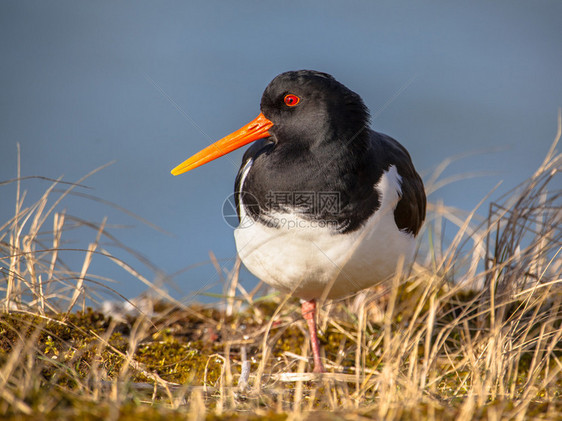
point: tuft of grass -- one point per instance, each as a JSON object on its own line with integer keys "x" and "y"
{"x": 473, "y": 331}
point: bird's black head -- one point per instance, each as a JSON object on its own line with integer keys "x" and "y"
{"x": 301, "y": 110}
{"x": 311, "y": 107}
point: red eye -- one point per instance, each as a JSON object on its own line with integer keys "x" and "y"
{"x": 291, "y": 100}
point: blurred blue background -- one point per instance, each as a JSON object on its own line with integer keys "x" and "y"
{"x": 146, "y": 84}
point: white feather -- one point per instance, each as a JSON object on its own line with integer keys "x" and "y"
{"x": 306, "y": 258}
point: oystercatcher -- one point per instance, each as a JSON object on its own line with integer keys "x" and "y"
{"x": 327, "y": 206}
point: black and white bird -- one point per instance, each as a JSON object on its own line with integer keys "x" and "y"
{"x": 327, "y": 206}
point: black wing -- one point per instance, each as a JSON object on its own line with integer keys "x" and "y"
{"x": 410, "y": 210}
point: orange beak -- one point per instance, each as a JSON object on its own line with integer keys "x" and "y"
{"x": 254, "y": 130}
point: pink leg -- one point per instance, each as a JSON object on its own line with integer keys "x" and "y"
{"x": 308, "y": 309}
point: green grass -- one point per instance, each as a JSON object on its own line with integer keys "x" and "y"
{"x": 473, "y": 331}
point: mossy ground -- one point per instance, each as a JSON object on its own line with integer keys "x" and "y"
{"x": 81, "y": 365}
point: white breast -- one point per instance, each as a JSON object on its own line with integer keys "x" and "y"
{"x": 305, "y": 258}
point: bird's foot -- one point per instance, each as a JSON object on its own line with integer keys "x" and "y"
{"x": 318, "y": 368}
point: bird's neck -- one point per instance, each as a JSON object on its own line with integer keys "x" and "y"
{"x": 332, "y": 162}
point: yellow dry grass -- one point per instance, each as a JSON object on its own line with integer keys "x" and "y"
{"x": 472, "y": 331}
